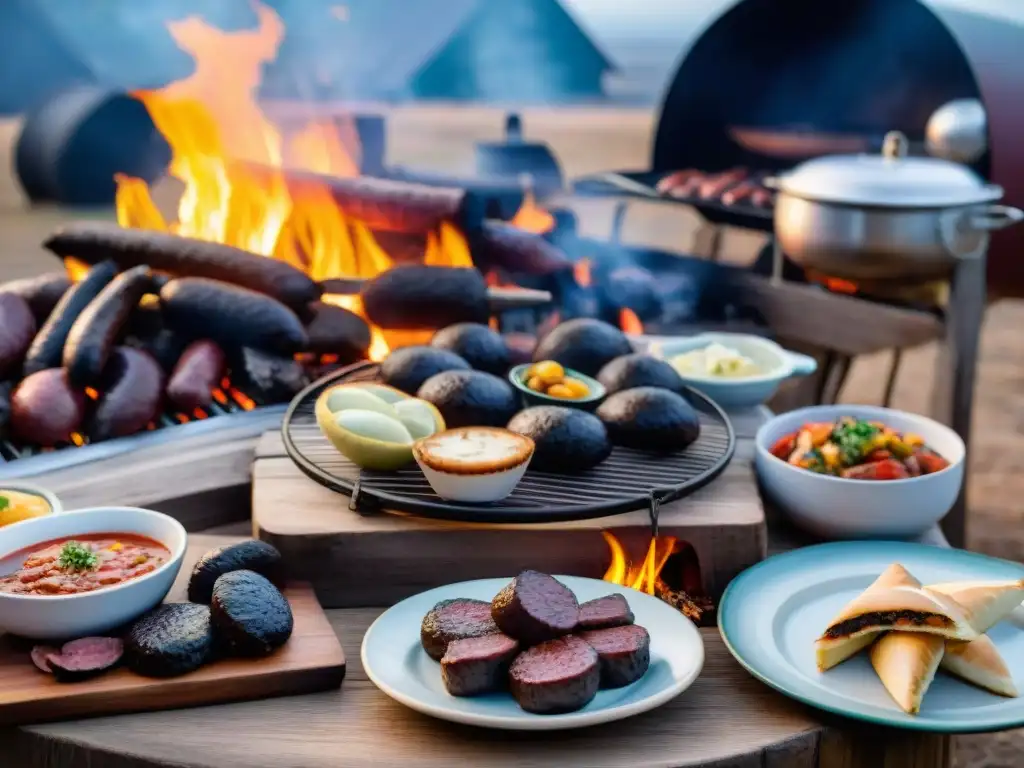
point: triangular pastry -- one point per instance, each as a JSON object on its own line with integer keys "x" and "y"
{"x": 985, "y": 603}
{"x": 978, "y": 662}
{"x": 906, "y": 663}
{"x": 828, "y": 653}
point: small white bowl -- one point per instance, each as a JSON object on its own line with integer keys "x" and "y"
{"x": 839, "y": 508}
{"x": 50, "y": 497}
{"x": 469, "y": 478}
{"x": 777, "y": 365}
{"x": 63, "y": 617}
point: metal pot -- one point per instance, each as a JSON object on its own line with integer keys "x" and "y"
{"x": 888, "y": 216}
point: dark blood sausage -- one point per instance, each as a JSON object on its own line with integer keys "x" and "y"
{"x": 675, "y": 179}
{"x": 46, "y": 409}
{"x": 452, "y": 620}
{"x": 336, "y": 331}
{"x": 516, "y": 250}
{"x": 605, "y": 612}
{"x": 199, "y": 369}
{"x": 742, "y": 191}
{"x": 42, "y": 293}
{"x": 252, "y": 555}
{"x": 199, "y": 308}
{"x": 6, "y": 388}
{"x": 267, "y": 379}
{"x": 94, "y": 241}
{"x": 716, "y": 185}
{"x": 99, "y": 327}
{"x": 171, "y": 640}
{"x": 17, "y": 329}
{"x": 250, "y": 616}
{"x": 47, "y": 350}
{"x": 477, "y": 665}
{"x": 165, "y": 346}
{"x": 85, "y": 658}
{"x": 131, "y": 392}
{"x": 624, "y": 653}
{"x": 40, "y": 657}
{"x": 535, "y": 607}
{"x": 560, "y": 675}
{"x": 426, "y": 298}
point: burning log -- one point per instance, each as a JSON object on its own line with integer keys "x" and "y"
{"x": 93, "y": 242}
{"x": 516, "y": 250}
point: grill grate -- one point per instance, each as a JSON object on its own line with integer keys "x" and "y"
{"x": 626, "y": 481}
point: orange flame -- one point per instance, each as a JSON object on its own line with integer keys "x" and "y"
{"x": 532, "y": 217}
{"x": 645, "y": 577}
{"x": 581, "y": 273}
{"x": 231, "y": 160}
{"x": 629, "y": 322}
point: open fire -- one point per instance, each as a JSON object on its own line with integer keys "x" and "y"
{"x": 669, "y": 570}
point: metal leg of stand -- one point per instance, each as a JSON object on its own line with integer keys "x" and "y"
{"x": 955, "y": 371}
{"x": 890, "y": 383}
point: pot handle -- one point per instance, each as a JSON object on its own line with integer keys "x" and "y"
{"x": 801, "y": 365}
{"x": 994, "y": 217}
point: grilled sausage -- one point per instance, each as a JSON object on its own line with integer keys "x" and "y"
{"x": 716, "y": 185}
{"x": 42, "y": 293}
{"x": 535, "y": 607}
{"x": 97, "y": 329}
{"x": 604, "y": 612}
{"x": 742, "y": 191}
{"x": 17, "y": 328}
{"x": 199, "y": 370}
{"x": 93, "y": 241}
{"x": 675, "y": 179}
{"x": 624, "y": 653}
{"x": 232, "y": 316}
{"x": 456, "y": 619}
{"x": 46, "y": 409}
{"x": 477, "y": 665}
{"x": 131, "y": 390}
{"x": 336, "y": 331}
{"x": 560, "y": 675}
{"x": 47, "y": 350}
{"x": 425, "y": 298}
{"x": 762, "y": 198}
{"x": 516, "y": 250}
{"x": 267, "y": 379}
{"x": 688, "y": 188}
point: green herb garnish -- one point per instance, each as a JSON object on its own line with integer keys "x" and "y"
{"x": 4, "y": 503}
{"x": 855, "y": 440}
{"x": 77, "y": 557}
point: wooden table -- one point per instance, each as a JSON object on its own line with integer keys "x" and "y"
{"x": 726, "y": 719}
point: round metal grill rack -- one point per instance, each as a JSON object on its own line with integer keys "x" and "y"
{"x": 626, "y": 481}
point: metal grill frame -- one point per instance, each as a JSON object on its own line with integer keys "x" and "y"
{"x": 372, "y": 492}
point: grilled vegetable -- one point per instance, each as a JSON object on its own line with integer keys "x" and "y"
{"x": 131, "y": 388}
{"x": 93, "y": 241}
{"x": 426, "y": 298}
{"x": 47, "y": 348}
{"x": 96, "y": 330}
{"x": 42, "y": 293}
{"x": 17, "y": 328}
{"x": 233, "y": 317}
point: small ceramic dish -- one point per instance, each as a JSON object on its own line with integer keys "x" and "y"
{"x": 64, "y": 617}
{"x": 774, "y": 363}
{"x": 517, "y": 377}
{"x": 11, "y": 514}
{"x": 474, "y": 464}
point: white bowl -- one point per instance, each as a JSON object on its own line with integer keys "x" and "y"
{"x": 838, "y": 508}
{"x": 474, "y": 488}
{"x": 63, "y": 617}
{"x": 777, "y": 365}
{"x": 56, "y": 507}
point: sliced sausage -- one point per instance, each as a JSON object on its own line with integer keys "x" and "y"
{"x": 675, "y": 179}
{"x": 716, "y": 185}
{"x": 199, "y": 370}
{"x": 478, "y": 665}
{"x": 17, "y": 329}
{"x": 131, "y": 391}
{"x": 456, "y": 619}
{"x": 40, "y": 655}
{"x": 46, "y": 409}
{"x": 742, "y": 191}
{"x": 624, "y": 653}
{"x": 688, "y": 188}
{"x": 335, "y": 330}
{"x": 198, "y": 308}
{"x": 604, "y": 612}
{"x": 535, "y": 607}
{"x": 47, "y": 350}
{"x": 85, "y": 658}
{"x": 560, "y": 675}
{"x": 42, "y": 293}
{"x": 97, "y": 329}
{"x": 761, "y": 198}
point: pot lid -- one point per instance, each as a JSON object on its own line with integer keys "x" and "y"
{"x": 890, "y": 179}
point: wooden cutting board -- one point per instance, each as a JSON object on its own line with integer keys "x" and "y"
{"x": 312, "y": 660}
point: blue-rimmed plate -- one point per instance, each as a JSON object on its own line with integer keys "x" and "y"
{"x": 771, "y": 614}
{"x": 396, "y": 663}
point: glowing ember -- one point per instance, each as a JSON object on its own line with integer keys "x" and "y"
{"x": 532, "y": 217}
{"x": 231, "y": 159}
{"x": 581, "y": 273}
{"x": 629, "y": 322}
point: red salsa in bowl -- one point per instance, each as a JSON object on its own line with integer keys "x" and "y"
{"x": 76, "y": 564}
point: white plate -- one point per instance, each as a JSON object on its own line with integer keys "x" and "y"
{"x": 397, "y": 664}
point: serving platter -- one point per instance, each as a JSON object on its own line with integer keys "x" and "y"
{"x": 396, "y": 663}
{"x": 628, "y": 480}
{"x": 771, "y": 614}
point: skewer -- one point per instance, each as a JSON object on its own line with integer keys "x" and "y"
{"x": 499, "y": 299}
